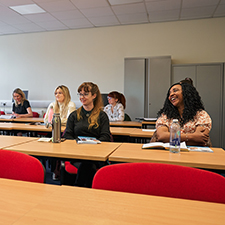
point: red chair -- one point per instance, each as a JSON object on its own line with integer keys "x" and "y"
{"x": 2, "y": 113}
{"x": 20, "y": 166}
{"x": 68, "y": 173}
{"x": 35, "y": 114}
{"x": 162, "y": 180}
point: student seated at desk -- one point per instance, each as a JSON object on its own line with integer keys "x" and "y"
{"x": 62, "y": 104}
{"x": 21, "y": 107}
{"x": 64, "y": 107}
{"x": 184, "y": 103}
{"x": 116, "y": 106}
{"x": 89, "y": 120}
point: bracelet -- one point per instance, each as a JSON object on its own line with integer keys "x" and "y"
{"x": 186, "y": 138}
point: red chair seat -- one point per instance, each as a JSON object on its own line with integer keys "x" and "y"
{"x": 70, "y": 168}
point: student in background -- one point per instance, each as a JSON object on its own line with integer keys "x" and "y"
{"x": 116, "y": 106}
{"x": 184, "y": 103}
{"x": 91, "y": 121}
{"x": 64, "y": 106}
{"x": 21, "y": 107}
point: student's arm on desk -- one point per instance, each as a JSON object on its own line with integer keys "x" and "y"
{"x": 199, "y": 137}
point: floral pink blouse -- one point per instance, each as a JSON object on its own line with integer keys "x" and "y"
{"x": 201, "y": 118}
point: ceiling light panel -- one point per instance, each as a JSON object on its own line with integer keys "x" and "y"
{"x": 122, "y": 2}
{"x": 27, "y": 9}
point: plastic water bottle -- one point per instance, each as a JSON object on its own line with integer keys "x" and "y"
{"x": 175, "y": 137}
{"x": 56, "y": 128}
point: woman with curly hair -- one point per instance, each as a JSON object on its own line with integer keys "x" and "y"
{"x": 91, "y": 121}
{"x": 184, "y": 103}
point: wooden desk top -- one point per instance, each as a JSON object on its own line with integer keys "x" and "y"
{"x": 148, "y": 122}
{"x": 26, "y": 127}
{"x": 23, "y": 120}
{"x": 130, "y": 152}
{"x": 123, "y": 131}
{"x": 141, "y": 133}
{"x": 29, "y": 120}
{"x": 8, "y": 141}
{"x": 29, "y": 203}
{"x": 68, "y": 149}
{"x": 126, "y": 124}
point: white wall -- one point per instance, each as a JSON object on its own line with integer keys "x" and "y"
{"x": 41, "y": 61}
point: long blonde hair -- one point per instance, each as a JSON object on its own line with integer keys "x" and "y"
{"x": 98, "y": 103}
{"x": 66, "y": 101}
{"x": 21, "y": 93}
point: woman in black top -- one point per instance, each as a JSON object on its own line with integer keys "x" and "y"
{"x": 89, "y": 120}
{"x": 21, "y": 107}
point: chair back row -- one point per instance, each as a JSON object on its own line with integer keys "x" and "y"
{"x": 162, "y": 180}
{"x": 20, "y": 166}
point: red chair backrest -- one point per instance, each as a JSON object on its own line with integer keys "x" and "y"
{"x": 19, "y": 166}
{"x": 35, "y": 114}
{"x": 162, "y": 180}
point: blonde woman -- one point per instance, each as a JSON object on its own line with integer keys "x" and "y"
{"x": 64, "y": 107}
{"x": 89, "y": 120}
{"x": 62, "y": 104}
{"x": 21, "y": 107}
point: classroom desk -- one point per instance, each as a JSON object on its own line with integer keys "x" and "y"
{"x": 26, "y": 127}
{"x": 131, "y": 152}
{"x": 126, "y": 124}
{"x": 69, "y": 149}
{"x": 35, "y": 203}
{"x": 8, "y": 141}
{"x": 24, "y": 120}
{"x": 121, "y": 131}
{"x": 151, "y": 124}
{"x": 140, "y": 134}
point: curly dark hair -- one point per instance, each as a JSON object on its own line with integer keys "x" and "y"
{"x": 192, "y": 104}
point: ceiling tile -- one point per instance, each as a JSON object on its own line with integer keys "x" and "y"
{"x": 17, "y": 19}
{"x": 57, "y": 6}
{"x": 92, "y": 12}
{"x": 133, "y": 18}
{"x": 15, "y": 2}
{"x": 201, "y": 12}
{"x": 66, "y": 15}
{"x": 163, "y": 5}
{"x": 40, "y": 17}
{"x": 30, "y": 27}
{"x": 78, "y": 23}
{"x": 84, "y": 4}
{"x": 130, "y": 8}
{"x": 166, "y": 15}
{"x": 104, "y": 21}
{"x": 220, "y": 11}
{"x": 51, "y": 25}
{"x": 198, "y": 3}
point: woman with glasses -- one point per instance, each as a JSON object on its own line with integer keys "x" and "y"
{"x": 62, "y": 104}
{"x": 116, "y": 106}
{"x": 91, "y": 121}
{"x": 21, "y": 107}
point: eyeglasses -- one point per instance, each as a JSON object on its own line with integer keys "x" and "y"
{"x": 109, "y": 97}
{"x": 83, "y": 95}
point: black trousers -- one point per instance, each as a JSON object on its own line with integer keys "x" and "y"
{"x": 86, "y": 172}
